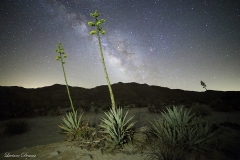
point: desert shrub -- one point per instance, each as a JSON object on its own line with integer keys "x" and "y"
{"x": 16, "y": 127}
{"x": 106, "y": 107}
{"x": 86, "y": 108}
{"x": 187, "y": 102}
{"x": 180, "y": 128}
{"x": 220, "y": 105}
{"x": 84, "y": 131}
{"x": 231, "y": 125}
{"x": 156, "y": 108}
{"x": 164, "y": 151}
{"x": 201, "y": 110}
{"x": 54, "y": 111}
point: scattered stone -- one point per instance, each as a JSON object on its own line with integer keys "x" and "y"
{"x": 55, "y": 153}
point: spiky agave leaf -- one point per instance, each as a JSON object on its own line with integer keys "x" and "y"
{"x": 71, "y": 122}
{"x": 186, "y": 131}
{"x": 116, "y": 125}
{"x": 177, "y": 117}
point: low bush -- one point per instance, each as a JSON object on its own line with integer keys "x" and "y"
{"x": 16, "y": 127}
{"x": 201, "y": 110}
{"x": 220, "y": 105}
{"x": 164, "y": 151}
{"x": 156, "y": 109}
{"x": 84, "y": 131}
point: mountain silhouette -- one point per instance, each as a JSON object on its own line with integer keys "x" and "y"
{"x": 21, "y": 102}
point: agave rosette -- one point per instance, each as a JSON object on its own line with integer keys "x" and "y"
{"x": 116, "y": 125}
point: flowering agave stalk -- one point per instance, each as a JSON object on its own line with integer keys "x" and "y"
{"x": 117, "y": 126}
{"x": 99, "y": 30}
{"x": 62, "y": 55}
{"x": 71, "y": 122}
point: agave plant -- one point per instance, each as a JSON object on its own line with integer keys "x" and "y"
{"x": 201, "y": 137}
{"x": 177, "y": 117}
{"x": 71, "y": 122}
{"x": 172, "y": 118}
{"x": 117, "y": 126}
{"x": 182, "y": 129}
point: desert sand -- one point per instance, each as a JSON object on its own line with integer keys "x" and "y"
{"x": 44, "y": 140}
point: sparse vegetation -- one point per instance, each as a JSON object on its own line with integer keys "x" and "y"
{"x": 16, "y": 127}
{"x": 201, "y": 110}
{"x": 83, "y": 131}
{"x": 179, "y": 132}
{"x": 164, "y": 151}
{"x": 219, "y": 105}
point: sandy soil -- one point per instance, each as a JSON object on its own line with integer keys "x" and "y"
{"x": 44, "y": 141}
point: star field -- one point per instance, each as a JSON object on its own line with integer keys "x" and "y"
{"x": 174, "y": 43}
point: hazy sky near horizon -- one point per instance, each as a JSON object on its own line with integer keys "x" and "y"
{"x": 169, "y": 43}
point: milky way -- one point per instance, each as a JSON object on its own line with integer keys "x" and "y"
{"x": 173, "y": 43}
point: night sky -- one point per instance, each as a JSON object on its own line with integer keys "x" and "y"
{"x": 168, "y": 43}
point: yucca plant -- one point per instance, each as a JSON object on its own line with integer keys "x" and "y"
{"x": 117, "y": 126}
{"x": 182, "y": 129}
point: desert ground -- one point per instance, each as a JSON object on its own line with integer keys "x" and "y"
{"x": 44, "y": 140}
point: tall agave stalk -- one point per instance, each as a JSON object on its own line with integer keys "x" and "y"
{"x": 116, "y": 125}
{"x": 99, "y": 30}
{"x": 72, "y": 123}
{"x": 62, "y": 55}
